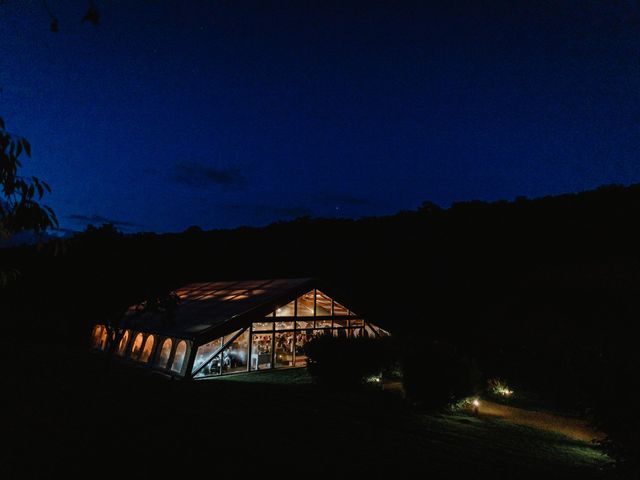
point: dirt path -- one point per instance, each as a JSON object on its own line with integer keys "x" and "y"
{"x": 571, "y": 427}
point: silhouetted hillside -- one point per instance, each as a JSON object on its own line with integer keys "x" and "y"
{"x": 529, "y": 287}
{"x": 411, "y": 269}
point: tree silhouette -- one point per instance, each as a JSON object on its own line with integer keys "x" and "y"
{"x": 20, "y": 197}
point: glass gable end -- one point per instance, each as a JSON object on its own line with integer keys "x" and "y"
{"x": 306, "y": 304}
{"x": 323, "y": 304}
{"x": 286, "y": 311}
{"x": 279, "y": 339}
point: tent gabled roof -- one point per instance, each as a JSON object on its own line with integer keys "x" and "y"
{"x": 208, "y": 306}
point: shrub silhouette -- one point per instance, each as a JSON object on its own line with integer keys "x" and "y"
{"x": 436, "y": 375}
{"x": 345, "y": 361}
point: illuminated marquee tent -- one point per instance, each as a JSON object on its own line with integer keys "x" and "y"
{"x": 221, "y": 328}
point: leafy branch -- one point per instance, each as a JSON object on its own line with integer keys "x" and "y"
{"x": 20, "y": 207}
{"x": 92, "y": 15}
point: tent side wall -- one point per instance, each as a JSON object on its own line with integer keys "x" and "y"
{"x": 168, "y": 355}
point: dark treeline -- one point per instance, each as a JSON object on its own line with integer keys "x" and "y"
{"x": 553, "y": 269}
{"x": 543, "y": 292}
{"x": 473, "y": 262}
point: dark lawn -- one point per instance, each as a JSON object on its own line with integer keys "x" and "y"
{"x": 65, "y": 415}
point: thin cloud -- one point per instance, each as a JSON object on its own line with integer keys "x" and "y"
{"x": 203, "y": 176}
{"x": 342, "y": 200}
{"x": 272, "y": 210}
{"x": 100, "y": 220}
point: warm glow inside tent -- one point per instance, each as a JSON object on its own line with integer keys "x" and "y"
{"x": 222, "y": 328}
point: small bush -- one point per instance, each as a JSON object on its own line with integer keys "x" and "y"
{"x": 346, "y": 361}
{"x": 614, "y": 411}
{"x": 435, "y": 375}
{"x": 498, "y": 389}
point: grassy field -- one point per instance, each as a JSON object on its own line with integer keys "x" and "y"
{"x": 67, "y": 416}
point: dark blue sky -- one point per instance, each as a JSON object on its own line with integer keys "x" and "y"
{"x": 227, "y": 113}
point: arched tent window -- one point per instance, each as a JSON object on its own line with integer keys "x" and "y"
{"x": 148, "y": 348}
{"x": 99, "y": 337}
{"x": 123, "y": 343}
{"x": 95, "y": 335}
{"x": 103, "y": 339}
{"x": 178, "y": 357}
{"x": 165, "y": 351}
{"x": 137, "y": 347}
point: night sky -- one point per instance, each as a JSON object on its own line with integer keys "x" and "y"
{"x": 226, "y": 113}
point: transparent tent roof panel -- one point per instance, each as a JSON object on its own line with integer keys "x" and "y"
{"x": 207, "y": 305}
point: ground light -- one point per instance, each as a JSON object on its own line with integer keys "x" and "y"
{"x": 476, "y": 405}
{"x": 374, "y": 379}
